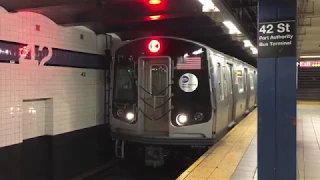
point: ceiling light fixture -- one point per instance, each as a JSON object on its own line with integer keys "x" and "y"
{"x": 232, "y": 28}
{"x": 254, "y": 50}
{"x": 308, "y": 57}
{"x": 208, "y": 6}
{"x": 207, "y": 3}
{"x": 247, "y": 43}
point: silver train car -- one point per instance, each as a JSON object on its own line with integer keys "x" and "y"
{"x": 168, "y": 91}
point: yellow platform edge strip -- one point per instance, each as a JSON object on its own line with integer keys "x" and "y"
{"x": 309, "y": 102}
{"x": 211, "y": 150}
{"x": 206, "y": 154}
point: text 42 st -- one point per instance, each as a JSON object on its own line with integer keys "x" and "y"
{"x": 280, "y": 28}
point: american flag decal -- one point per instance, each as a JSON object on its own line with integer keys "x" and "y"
{"x": 189, "y": 63}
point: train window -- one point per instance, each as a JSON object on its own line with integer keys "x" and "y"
{"x": 159, "y": 80}
{"x": 240, "y": 84}
{"x": 220, "y": 81}
{"x": 251, "y": 82}
{"x": 124, "y": 84}
{"x": 225, "y": 83}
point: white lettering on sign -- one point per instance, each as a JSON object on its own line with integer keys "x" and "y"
{"x": 5, "y": 51}
{"x": 46, "y": 58}
{"x": 268, "y": 34}
{"x": 281, "y": 28}
{"x": 266, "y": 29}
{"x": 275, "y": 34}
{"x": 307, "y": 64}
{"x": 30, "y": 48}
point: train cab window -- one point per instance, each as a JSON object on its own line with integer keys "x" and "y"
{"x": 220, "y": 81}
{"x": 159, "y": 80}
{"x": 124, "y": 84}
{"x": 251, "y": 82}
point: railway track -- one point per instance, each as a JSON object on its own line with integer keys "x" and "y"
{"x": 118, "y": 169}
{"x": 100, "y": 173}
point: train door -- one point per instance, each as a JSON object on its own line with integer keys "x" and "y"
{"x": 231, "y": 98}
{"x": 247, "y": 88}
{"x": 154, "y": 74}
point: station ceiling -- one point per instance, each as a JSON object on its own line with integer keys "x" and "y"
{"x": 130, "y": 19}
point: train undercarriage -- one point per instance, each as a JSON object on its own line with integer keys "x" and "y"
{"x": 157, "y": 155}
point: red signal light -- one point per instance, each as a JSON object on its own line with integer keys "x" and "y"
{"x": 154, "y": 46}
{"x": 154, "y": 2}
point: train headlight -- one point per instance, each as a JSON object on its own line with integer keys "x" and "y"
{"x": 130, "y": 116}
{"x": 198, "y": 116}
{"x": 120, "y": 113}
{"x": 181, "y": 119}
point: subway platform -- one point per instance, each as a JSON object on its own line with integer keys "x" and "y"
{"x": 234, "y": 157}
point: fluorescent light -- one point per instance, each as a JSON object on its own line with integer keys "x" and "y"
{"x": 207, "y": 3}
{"x": 309, "y": 57}
{"x": 208, "y": 6}
{"x": 247, "y": 43}
{"x": 254, "y": 50}
{"x": 199, "y": 51}
{"x": 210, "y": 9}
{"x": 232, "y": 28}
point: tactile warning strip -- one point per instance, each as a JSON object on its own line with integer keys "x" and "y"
{"x": 221, "y": 160}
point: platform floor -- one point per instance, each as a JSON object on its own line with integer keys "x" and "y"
{"x": 235, "y": 156}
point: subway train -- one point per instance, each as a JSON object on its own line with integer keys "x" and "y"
{"x": 171, "y": 92}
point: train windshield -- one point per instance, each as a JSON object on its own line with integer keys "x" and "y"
{"x": 124, "y": 82}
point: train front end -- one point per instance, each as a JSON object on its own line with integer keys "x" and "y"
{"x": 161, "y": 94}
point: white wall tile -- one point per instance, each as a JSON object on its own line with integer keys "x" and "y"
{"x": 73, "y": 101}
{"x": 33, "y": 119}
{"x": 21, "y": 27}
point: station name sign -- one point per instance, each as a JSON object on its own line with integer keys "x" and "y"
{"x": 277, "y": 39}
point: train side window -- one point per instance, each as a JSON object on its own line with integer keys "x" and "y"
{"x": 225, "y": 83}
{"x": 240, "y": 84}
{"x": 251, "y": 82}
{"x": 220, "y": 81}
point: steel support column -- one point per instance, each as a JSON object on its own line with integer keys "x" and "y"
{"x": 276, "y": 94}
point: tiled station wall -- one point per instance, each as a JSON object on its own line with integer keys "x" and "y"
{"x": 53, "y": 86}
